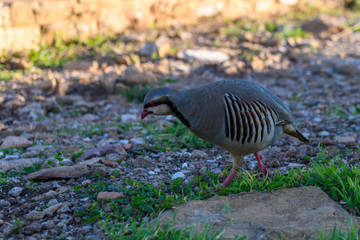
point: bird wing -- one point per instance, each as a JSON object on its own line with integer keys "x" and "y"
{"x": 247, "y": 120}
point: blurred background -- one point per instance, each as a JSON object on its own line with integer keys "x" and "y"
{"x": 73, "y": 75}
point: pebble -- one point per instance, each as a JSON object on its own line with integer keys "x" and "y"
{"x": 137, "y": 141}
{"x": 199, "y": 154}
{"x": 4, "y": 203}
{"x": 35, "y": 215}
{"x": 86, "y": 182}
{"x": 53, "y": 202}
{"x": 12, "y": 157}
{"x": 52, "y": 209}
{"x": 345, "y": 139}
{"x": 109, "y": 195}
{"x": 184, "y": 165}
{"x": 178, "y": 175}
{"x": 296, "y": 165}
{"x": 129, "y": 117}
{"x": 64, "y": 209}
{"x": 16, "y": 191}
{"x": 49, "y": 224}
{"x": 109, "y": 163}
{"x": 115, "y": 157}
{"x": 32, "y": 228}
{"x": 324, "y": 134}
{"x": 204, "y": 55}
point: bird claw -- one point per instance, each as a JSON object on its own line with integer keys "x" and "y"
{"x": 264, "y": 171}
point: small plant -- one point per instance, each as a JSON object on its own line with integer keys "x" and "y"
{"x": 57, "y": 157}
{"x": 136, "y": 93}
{"x": 173, "y": 137}
{"x": 6, "y": 75}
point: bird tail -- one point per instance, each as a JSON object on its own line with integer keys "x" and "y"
{"x": 292, "y": 131}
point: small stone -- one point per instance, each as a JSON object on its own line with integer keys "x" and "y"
{"x": 86, "y": 182}
{"x": 109, "y": 163}
{"x": 199, "y": 154}
{"x": 16, "y": 191}
{"x": 35, "y": 215}
{"x": 64, "y": 209}
{"x": 1, "y": 222}
{"x": 4, "y": 203}
{"x": 32, "y": 228}
{"x": 114, "y": 157}
{"x": 53, "y": 202}
{"x": 127, "y": 146}
{"x": 48, "y": 224}
{"x": 81, "y": 65}
{"x": 345, "y": 139}
{"x": 8, "y": 229}
{"x": 11, "y": 157}
{"x": 135, "y": 75}
{"x": 204, "y": 55}
{"x": 275, "y": 163}
{"x": 109, "y": 195}
{"x": 137, "y": 141}
{"x": 15, "y": 142}
{"x": 149, "y": 50}
{"x": 142, "y": 162}
{"x": 296, "y": 165}
{"x": 178, "y": 175}
{"x": 129, "y": 117}
{"x": 324, "y": 133}
{"x": 52, "y": 209}
{"x": 257, "y": 64}
{"x": 184, "y": 165}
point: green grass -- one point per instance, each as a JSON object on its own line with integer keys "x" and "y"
{"x": 6, "y": 75}
{"x": 235, "y": 29}
{"x": 345, "y": 113}
{"x": 136, "y": 93}
{"x": 55, "y": 54}
{"x": 172, "y": 137}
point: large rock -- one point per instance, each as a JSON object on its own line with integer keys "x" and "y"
{"x": 15, "y": 142}
{"x": 18, "y": 164}
{"x": 59, "y": 172}
{"x": 134, "y": 75}
{"x": 298, "y": 213}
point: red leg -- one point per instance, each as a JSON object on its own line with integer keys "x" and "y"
{"x": 229, "y": 178}
{"x": 264, "y": 171}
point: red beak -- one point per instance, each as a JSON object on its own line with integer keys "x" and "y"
{"x": 144, "y": 113}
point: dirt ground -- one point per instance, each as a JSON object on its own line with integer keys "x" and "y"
{"x": 61, "y": 111}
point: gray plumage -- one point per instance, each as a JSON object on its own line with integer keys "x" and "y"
{"x": 238, "y": 115}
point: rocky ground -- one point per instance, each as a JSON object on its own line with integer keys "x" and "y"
{"x": 48, "y": 117}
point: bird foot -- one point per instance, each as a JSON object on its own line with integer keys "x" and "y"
{"x": 263, "y": 168}
{"x": 264, "y": 171}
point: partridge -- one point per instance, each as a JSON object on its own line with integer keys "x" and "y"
{"x": 240, "y": 116}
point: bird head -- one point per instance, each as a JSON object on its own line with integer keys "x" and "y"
{"x": 158, "y": 102}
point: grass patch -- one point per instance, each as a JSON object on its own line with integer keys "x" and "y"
{"x": 136, "y": 93}
{"x": 6, "y": 75}
{"x": 172, "y": 137}
{"x": 239, "y": 27}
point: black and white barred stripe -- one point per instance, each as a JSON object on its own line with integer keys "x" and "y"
{"x": 247, "y": 121}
